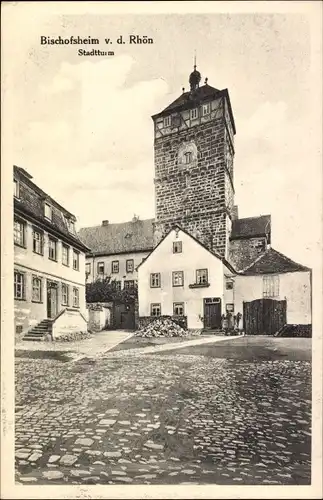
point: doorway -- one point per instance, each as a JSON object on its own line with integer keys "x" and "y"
{"x": 212, "y": 313}
{"x": 52, "y": 299}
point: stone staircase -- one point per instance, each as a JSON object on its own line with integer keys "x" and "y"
{"x": 38, "y": 332}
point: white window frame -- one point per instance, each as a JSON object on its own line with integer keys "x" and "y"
{"x": 115, "y": 267}
{"x": 202, "y": 276}
{"x": 19, "y": 233}
{"x": 76, "y": 260}
{"x": 167, "y": 121}
{"x": 155, "y": 280}
{"x": 130, "y": 265}
{"x": 87, "y": 268}
{"x": 36, "y": 289}
{"x": 129, "y": 284}
{"x": 178, "y": 278}
{"x": 206, "y": 109}
{"x": 65, "y": 294}
{"x": 177, "y": 305}
{"x": 16, "y": 189}
{"x": 19, "y": 285}
{"x": 65, "y": 253}
{"x": 38, "y": 241}
{"x": 100, "y": 268}
{"x": 50, "y": 247}
{"x": 48, "y": 211}
{"x": 177, "y": 247}
{"x": 76, "y": 297}
{"x": 194, "y": 113}
{"x": 155, "y": 308}
{"x": 270, "y": 285}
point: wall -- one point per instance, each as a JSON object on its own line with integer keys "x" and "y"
{"x": 99, "y": 316}
{"x": 107, "y": 259}
{"x": 194, "y": 196}
{"x": 69, "y": 322}
{"x": 294, "y": 287}
{"x": 164, "y": 261}
{"x": 28, "y": 313}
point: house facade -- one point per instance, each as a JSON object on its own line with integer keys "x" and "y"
{"x": 49, "y": 263}
{"x": 181, "y": 277}
{"x": 272, "y": 292}
{"x": 117, "y": 250}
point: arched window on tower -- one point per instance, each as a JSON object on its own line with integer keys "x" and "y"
{"x": 188, "y": 157}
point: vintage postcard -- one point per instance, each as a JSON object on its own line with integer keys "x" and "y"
{"x": 161, "y": 250}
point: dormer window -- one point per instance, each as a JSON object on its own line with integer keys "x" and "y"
{"x": 16, "y": 189}
{"x": 206, "y": 109}
{"x": 71, "y": 226}
{"x": 167, "y": 121}
{"x": 193, "y": 113}
{"x": 48, "y": 211}
{"x": 188, "y": 157}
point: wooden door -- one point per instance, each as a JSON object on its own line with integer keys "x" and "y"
{"x": 212, "y": 313}
{"x": 52, "y": 302}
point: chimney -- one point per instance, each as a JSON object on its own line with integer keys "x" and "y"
{"x": 234, "y": 213}
{"x": 105, "y": 223}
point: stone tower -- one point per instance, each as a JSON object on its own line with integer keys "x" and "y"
{"x": 194, "y": 151}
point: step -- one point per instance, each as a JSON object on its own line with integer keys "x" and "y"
{"x": 33, "y": 339}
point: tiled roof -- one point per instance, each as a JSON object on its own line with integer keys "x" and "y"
{"x": 31, "y": 202}
{"x": 272, "y": 262}
{"x": 124, "y": 237}
{"x": 251, "y": 227}
{"x": 200, "y": 94}
{"x": 192, "y": 99}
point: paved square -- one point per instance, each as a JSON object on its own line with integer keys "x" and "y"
{"x": 221, "y": 416}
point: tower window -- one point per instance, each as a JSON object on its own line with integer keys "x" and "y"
{"x": 206, "y": 108}
{"x": 167, "y": 121}
{"x": 188, "y": 157}
{"x": 193, "y": 113}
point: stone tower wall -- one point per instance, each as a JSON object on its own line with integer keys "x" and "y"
{"x": 199, "y": 195}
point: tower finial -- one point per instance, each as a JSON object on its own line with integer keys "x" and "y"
{"x": 195, "y": 76}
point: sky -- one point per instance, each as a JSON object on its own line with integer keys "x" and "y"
{"x": 82, "y": 127}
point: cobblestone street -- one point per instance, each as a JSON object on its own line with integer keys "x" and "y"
{"x": 174, "y": 418}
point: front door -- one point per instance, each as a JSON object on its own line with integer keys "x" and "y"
{"x": 212, "y": 313}
{"x": 51, "y": 299}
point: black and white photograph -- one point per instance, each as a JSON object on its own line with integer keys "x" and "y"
{"x": 161, "y": 250}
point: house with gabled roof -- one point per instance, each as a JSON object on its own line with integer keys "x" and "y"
{"x": 183, "y": 277}
{"x": 49, "y": 264}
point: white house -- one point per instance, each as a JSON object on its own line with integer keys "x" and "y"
{"x": 181, "y": 277}
{"x": 273, "y": 291}
{"x": 49, "y": 264}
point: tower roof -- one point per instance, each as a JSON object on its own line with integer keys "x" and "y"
{"x": 195, "y": 98}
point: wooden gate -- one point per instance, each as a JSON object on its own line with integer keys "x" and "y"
{"x": 212, "y": 313}
{"x": 264, "y": 316}
{"x": 124, "y": 316}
